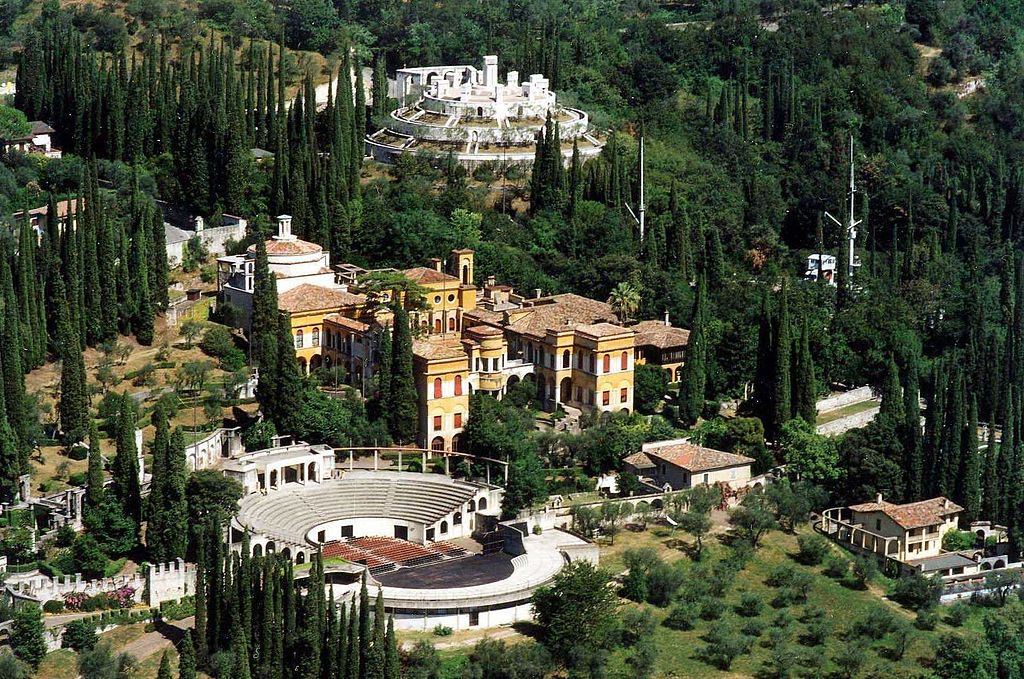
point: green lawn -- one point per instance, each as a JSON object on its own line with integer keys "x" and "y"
{"x": 846, "y": 411}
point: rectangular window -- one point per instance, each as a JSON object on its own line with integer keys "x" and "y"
{"x": 623, "y": 395}
{"x": 401, "y": 532}
{"x": 321, "y": 536}
{"x": 878, "y": 524}
{"x": 606, "y": 398}
{"x": 437, "y": 423}
{"x": 346, "y": 531}
{"x": 458, "y": 420}
{"x": 474, "y": 618}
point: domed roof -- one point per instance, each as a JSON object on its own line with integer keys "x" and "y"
{"x": 289, "y": 247}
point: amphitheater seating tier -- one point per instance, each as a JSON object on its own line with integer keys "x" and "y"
{"x": 290, "y": 512}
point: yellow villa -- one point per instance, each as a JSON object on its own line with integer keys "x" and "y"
{"x": 574, "y": 349}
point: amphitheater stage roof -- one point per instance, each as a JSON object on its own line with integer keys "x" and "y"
{"x": 466, "y": 572}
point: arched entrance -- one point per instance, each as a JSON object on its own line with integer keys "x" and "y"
{"x": 565, "y": 390}
{"x": 437, "y": 444}
{"x": 311, "y": 471}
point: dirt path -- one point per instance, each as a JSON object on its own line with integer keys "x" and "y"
{"x": 165, "y": 634}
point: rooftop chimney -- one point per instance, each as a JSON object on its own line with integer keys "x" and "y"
{"x": 536, "y": 293}
{"x": 878, "y": 498}
{"x": 435, "y": 262}
{"x": 945, "y": 503}
{"x": 491, "y": 280}
{"x": 667, "y": 323}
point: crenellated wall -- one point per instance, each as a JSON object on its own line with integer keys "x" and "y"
{"x": 159, "y": 583}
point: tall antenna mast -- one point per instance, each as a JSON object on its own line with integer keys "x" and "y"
{"x": 642, "y": 208}
{"x": 851, "y": 223}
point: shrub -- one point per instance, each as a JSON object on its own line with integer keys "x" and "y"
{"x": 711, "y": 609}
{"x": 753, "y": 627}
{"x": 957, "y": 614}
{"x": 750, "y": 605}
{"x": 874, "y": 624}
{"x": 926, "y": 619}
{"x": 78, "y": 479}
{"x": 816, "y": 626}
{"x": 864, "y": 569}
{"x": 79, "y": 635}
{"x": 78, "y": 453}
{"x": 836, "y": 566}
{"x": 957, "y": 540}
{"x": 53, "y": 606}
{"x": 916, "y": 591}
{"x": 442, "y": 631}
{"x": 723, "y": 646}
{"x": 681, "y": 616}
{"x": 813, "y": 548}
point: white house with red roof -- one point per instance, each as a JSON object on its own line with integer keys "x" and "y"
{"x": 680, "y": 464}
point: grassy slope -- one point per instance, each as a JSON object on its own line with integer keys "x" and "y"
{"x": 679, "y": 651}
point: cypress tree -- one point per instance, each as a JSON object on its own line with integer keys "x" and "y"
{"x": 952, "y": 438}
{"x": 127, "y": 486}
{"x": 74, "y": 398}
{"x": 891, "y": 394}
{"x": 341, "y": 667}
{"x": 695, "y": 369}
{"x": 384, "y": 370}
{"x": 1007, "y": 461}
{"x": 94, "y": 486}
{"x": 156, "y": 518}
{"x": 364, "y": 628}
{"x": 13, "y": 367}
{"x": 782, "y": 408}
{"x": 201, "y": 602}
{"x": 263, "y": 326}
{"x": 805, "y": 381}
{"x": 376, "y": 654}
{"x": 354, "y": 647}
{"x": 972, "y": 466}
{"x": 164, "y": 671}
{"x": 392, "y": 660}
{"x": 403, "y": 411}
{"x": 991, "y": 489}
{"x": 175, "y": 500}
{"x": 290, "y": 384}
{"x": 911, "y": 431}
{"x": 187, "y": 657}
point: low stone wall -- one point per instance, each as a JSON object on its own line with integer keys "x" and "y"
{"x": 846, "y": 398}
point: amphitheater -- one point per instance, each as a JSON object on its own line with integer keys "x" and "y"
{"x": 433, "y": 544}
{"x": 468, "y": 113}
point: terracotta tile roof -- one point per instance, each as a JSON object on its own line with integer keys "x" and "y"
{"x": 309, "y": 297}
{"x": 439, "y": 348}
{"x": 599, "y": 330}
{"x": 483, "y": 316}
{"x": 424, "y": 274}
{"x": 289, "y": 247}
{"x": 694, "y": 458}
{"x": 914, "y": 514}
{"x": 39, "y": 127}
{"x": 561, "y": 312}
{"x": 639, "y": 460}
{"x": 346, "y": 322}
{"x": 484, "y": 331}
{"x": 62, "y": 209}
{"x": 657, "y": 334}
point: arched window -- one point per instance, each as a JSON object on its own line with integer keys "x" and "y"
{"x": 437, "y": 325}
{"x": 624, "y": 361}
{"x": 607, "y": 363}
{"x": 444, "y": 528}
{"x": 451, "y": 324}
{"x": 566, "y": 358}
{"x": 437, "y": 387}
{"x": 482, "y": 505}
{"x": 316, "y": 337}
{"x": 458, "y": 385}
{"x": 298, "y": 339}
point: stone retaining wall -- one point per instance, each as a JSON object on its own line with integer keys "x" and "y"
{"x": 844, "y": 399}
